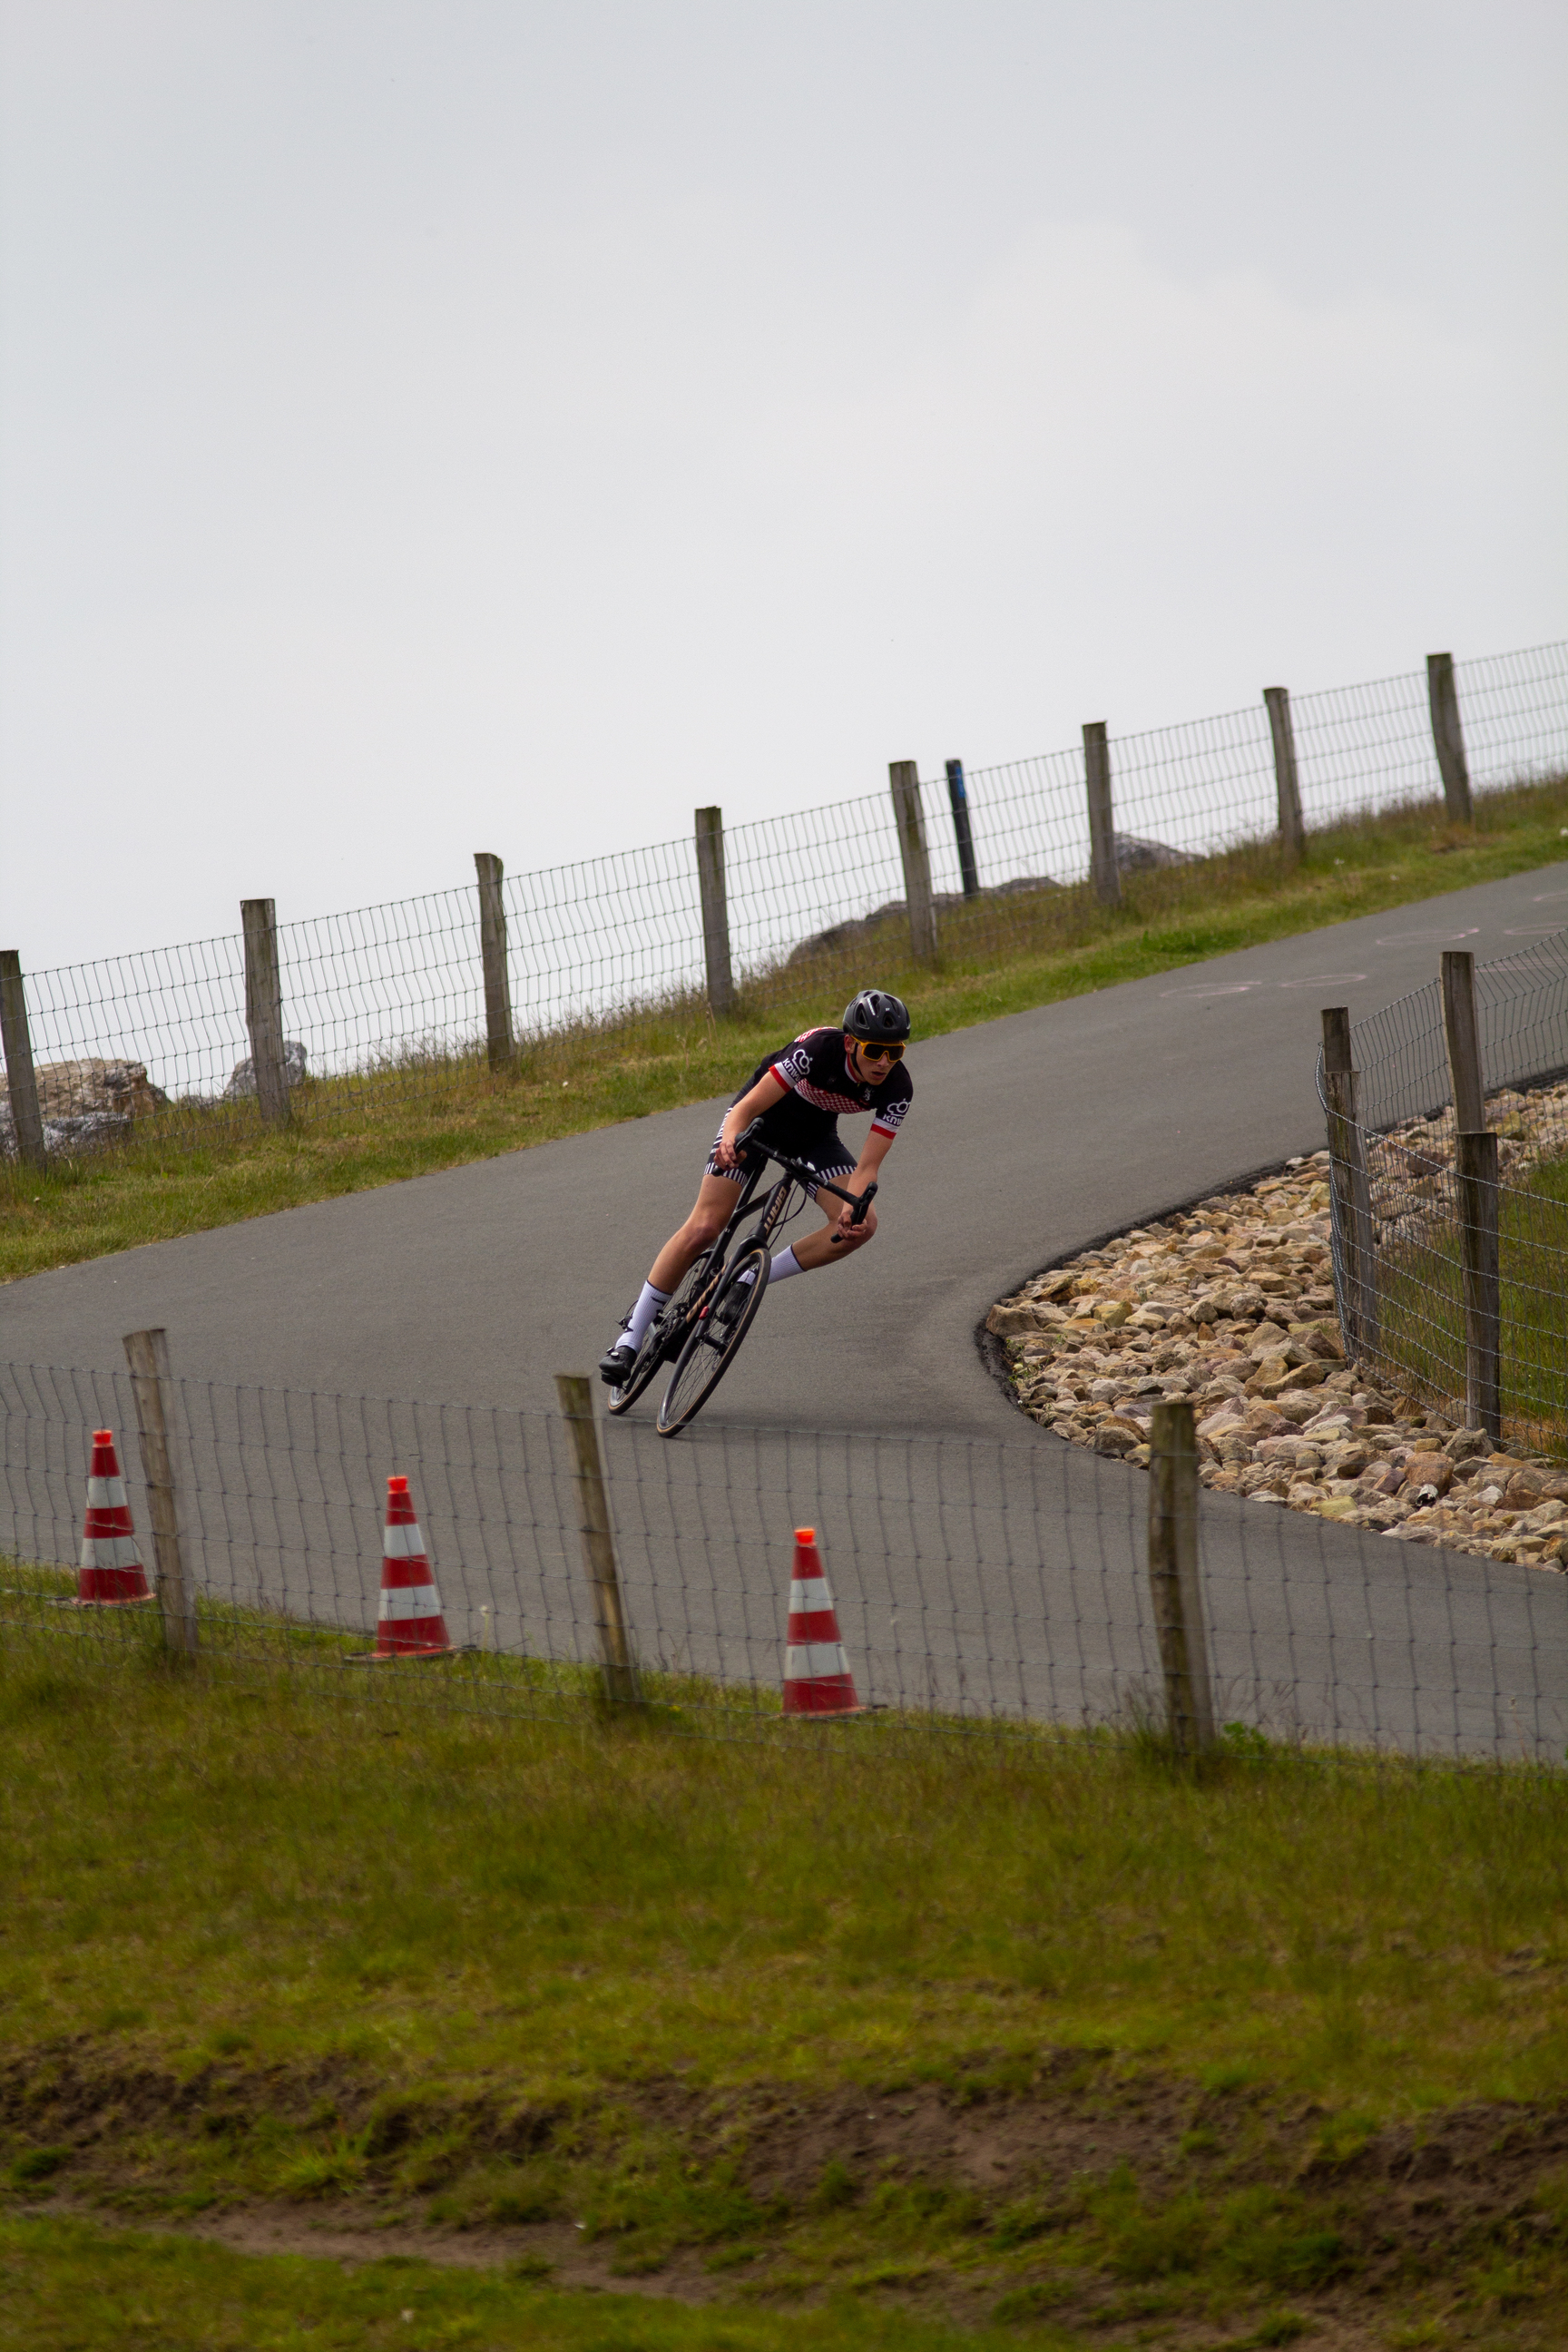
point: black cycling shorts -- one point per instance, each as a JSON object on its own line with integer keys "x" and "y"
{"x": 832, "y": 1166}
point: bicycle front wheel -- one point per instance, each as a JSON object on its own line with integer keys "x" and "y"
{"x": 715, "y": 1342}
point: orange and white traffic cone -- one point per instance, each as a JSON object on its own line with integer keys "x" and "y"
{"x": 111, "y": 1571}
{"x": 409, "y": 1623}
{"x": 816, "y": 1677}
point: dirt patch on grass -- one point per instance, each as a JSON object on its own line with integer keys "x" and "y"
{"x": 552, "y": 2251}
{"x": 986, "y": 2124}
{"x": 1065, "y": 2192}
{"x": 1071, "y": 2116}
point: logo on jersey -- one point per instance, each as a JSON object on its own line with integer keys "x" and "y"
{"x": 816, "y": 1068}
{"x": 817, "y": 1089}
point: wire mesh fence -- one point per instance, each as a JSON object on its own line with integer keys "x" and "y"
{"x": 382, "y": 1003}
{"x": 976, "y": 1583}
{"x": 1429, "y": 1250}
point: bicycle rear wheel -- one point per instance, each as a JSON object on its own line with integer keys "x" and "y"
{"x": 714, "y": 1344}
{"x": 665, "y": 1335}
{"x": 645, "y": 1363}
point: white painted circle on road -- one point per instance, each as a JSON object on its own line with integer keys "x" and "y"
{"x": 1426, "y": 939}
{"x": 1248, "y": 987}
{"x": 1533, "y": 931}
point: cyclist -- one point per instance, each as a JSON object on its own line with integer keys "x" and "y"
{"x": 799, "y": 1094}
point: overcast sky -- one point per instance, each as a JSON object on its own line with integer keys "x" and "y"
{"x": 430, "y": 425}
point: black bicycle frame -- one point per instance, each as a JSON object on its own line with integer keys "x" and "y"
{"x": 795, "y": 1173}
{"x": 767, "y": 1224}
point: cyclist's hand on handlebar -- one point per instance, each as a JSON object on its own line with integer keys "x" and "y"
{"x": 727, "y": 1153}
{"x": 852, "y": 1216}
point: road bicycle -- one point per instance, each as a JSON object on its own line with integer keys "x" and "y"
{"x": 700, "y": 1326}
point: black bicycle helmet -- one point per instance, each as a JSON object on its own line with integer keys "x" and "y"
{"x": 878, "y": 1018}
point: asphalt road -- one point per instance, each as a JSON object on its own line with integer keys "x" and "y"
{"x": 996, "y": 1568}
{"x": 1029, "y": 1138}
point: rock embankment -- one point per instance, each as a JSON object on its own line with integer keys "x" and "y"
{"x": 1232, "y": 1306}
{"x": 82, "y": 1104}
{"x": 1410, "y": 1170}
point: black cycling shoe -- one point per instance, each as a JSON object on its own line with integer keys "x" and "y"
{"x": 615, "y": 1367}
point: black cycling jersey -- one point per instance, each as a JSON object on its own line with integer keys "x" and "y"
{"x": 821, "y": 1089}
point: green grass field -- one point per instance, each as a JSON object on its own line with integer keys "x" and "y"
{"x": 950, "y": 2040}
{"x": 1034, "y": 951}
{"x": 451, "y": 2029}
{"x": 72, "y": 2288}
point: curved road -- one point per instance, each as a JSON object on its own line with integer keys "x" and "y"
{"x": 1030, "y": 1137}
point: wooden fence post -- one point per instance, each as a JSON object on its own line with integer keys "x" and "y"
{"x": 1174, "y": 1580}
{"x": 500, "y": 1044}
{"x": 710, "y": 886}
{"x": 1448, "y": 737}
{"x": 904, "y": 777}
{"x": 1287, "y": 783}
{"x": 264, "y": 1008}
{"x": 622, "y": 1688}
{"x": 1463, "y": 1040}
{"x": 1355, "y": 1263}
{"x": 147, "y": 1353}
{"x": 1476, "y": 1161}
{"x": 21, "y": 1078}
{"x": 958, "y": 795}
{"x": 1475, "y": 1169}
{"x": 1104, "y": 872}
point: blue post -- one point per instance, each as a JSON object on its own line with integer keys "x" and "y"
{"x": 958, "y": 795}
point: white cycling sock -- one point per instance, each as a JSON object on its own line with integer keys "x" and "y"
{"x": 780, "y": 1268}
{"x": 642, "y": 1315}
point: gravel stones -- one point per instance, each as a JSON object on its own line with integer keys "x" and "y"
{"x": 1411, "y": 1170}
{"x": 1232, "y": 1306}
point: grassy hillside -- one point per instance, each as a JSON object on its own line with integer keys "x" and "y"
{"x": 1057, "y": 945}
{"x": 922, "y": 2031}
